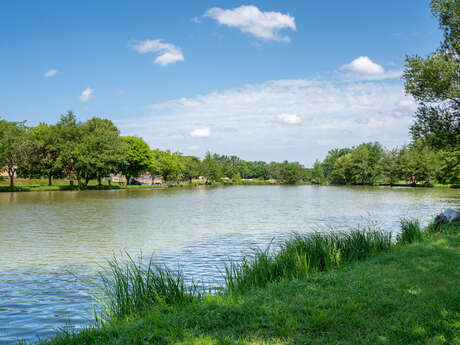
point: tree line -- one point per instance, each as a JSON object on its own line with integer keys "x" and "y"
{"x": 84, "y": 151}
{"x": 434, "y": 153}
{"x": 372, "y": 164}
{"x": 94, "y": 149}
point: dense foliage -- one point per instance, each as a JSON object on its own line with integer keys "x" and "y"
{"x": 434, "y": 154}
{"x": 94, "y": 149}
{"x": 371, "y": 164}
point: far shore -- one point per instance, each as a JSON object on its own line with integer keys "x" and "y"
{"x": 41, "y": 185}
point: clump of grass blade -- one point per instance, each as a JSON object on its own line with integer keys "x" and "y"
{"x": 132, "y": 286}
{"x": 410, "y": 232}
{"x": 302, "y": 255}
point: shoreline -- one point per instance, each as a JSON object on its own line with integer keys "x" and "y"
{"x": 46, "y": 188}
{"x": 385, "y": 297}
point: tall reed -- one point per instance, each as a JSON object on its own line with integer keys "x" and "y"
{"x": 410, "y": 232}
{"x": 132, "y": 286}
{"x": 302, "y": 255}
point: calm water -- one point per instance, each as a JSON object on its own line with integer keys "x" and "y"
{"x": 51, "y": 241}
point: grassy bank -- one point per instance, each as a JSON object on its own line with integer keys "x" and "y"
{"x": 404, "y": 293}
{"x": 37, "y": 185}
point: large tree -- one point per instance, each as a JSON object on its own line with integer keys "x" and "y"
{"x": 13, "y": 150}
{"x": 138, "y": 158}
{"x": 434, "y": 81}
{"x": 100, "y": 151}
{"x": 68, "y": 130}
{"x": 43, "y": 145}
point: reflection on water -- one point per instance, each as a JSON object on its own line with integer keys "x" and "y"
{"x": 48, "y": 240}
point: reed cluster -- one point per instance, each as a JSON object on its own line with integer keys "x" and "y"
{"x": 303, "y": 255}
{"x": 131, "y": 286}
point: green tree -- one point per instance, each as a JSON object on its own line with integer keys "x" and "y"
{"x": 293, "y": 172}
{"x": 138, "y": 158}
{"x": 434, "y": 81}
{"x": 68, "y": 131}
{"x": 367, "y": 159}
{"x": 101, "y": 151}
{"x": 343, "y": 170}
{"x": 192, "y": 167}
{"x": 211, "y": 168}
{"x": 44, "y": 150}
{"x": 389, "y": 166}
{"x": 317, "y": 173}
{"x": 169, "y": 165}
{"x": 449, "y": 166}
{"x": 329, "y": 162}
{"x": 12, "y": 147}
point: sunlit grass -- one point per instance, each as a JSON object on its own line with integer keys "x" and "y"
{"x": 355, "y": 288}
{"x": 135, "y": 285}
{"x": 303, "y": 255}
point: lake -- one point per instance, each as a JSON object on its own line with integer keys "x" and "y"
{"x": 51, "y": 243}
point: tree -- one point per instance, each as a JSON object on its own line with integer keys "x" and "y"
{"x": 168, "y": 165}
{"x": 12, "y": 147}
{"x": 44, "y": 150}
{"x": 343, "y": 170}
{"x": 389, "y": 167}
{"x": 138, "y": 158}
{"x": 101, "y": 151}
{"x": 211, "y": 168}
{"x": 192, "y": 166}
{"x": 434, "y": 81}
{"x": 438, "y": 126}
{"x": 317, "y": 173}
{"x": 331, "y": 158}
{"x": 69, "y": 136}
{"x": 293, "y": 172}
{"x": 367, "y": 159}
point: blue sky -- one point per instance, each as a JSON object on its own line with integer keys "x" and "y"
{"x": 267, "y": 80}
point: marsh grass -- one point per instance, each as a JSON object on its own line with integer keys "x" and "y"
{"x": 411, "y": 232}
{"x": 131, "y": 286}
{"x": 303, "y": 255}
{"x": 135, "y": 285}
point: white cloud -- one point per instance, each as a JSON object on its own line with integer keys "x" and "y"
{"x": 50, "y": 73}
{"x": 201, "y": 132}
{"x": 364, "y": 65}
{"x": 249, "y": 19}
{"x": 193, "y": 148}
{"x": 86, "y": 95}
{"x": 196, "y": 20}
{"x": 327, "y": 111}
{"x": 167, "y": 53}
{"x": 289, "y": 118}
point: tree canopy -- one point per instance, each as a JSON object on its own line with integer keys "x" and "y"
{"x": 434, "y": 82}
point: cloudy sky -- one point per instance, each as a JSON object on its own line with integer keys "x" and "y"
{"x": 268, "y": 80}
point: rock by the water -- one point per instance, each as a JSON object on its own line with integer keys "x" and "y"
{"x": 448, "y": 216}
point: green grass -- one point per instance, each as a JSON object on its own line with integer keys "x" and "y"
{"x": 134, "y": 286}
{"x": 304, "y": 255}
{"x": 39, "y": 185}
{"x": 410, "y": 232}
{"x": 408, "y": 294}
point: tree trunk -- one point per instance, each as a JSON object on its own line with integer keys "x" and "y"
{"x": 50, "y": 177}
{"x": 99, "y": 180}
{"x": 11, "y": 178}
